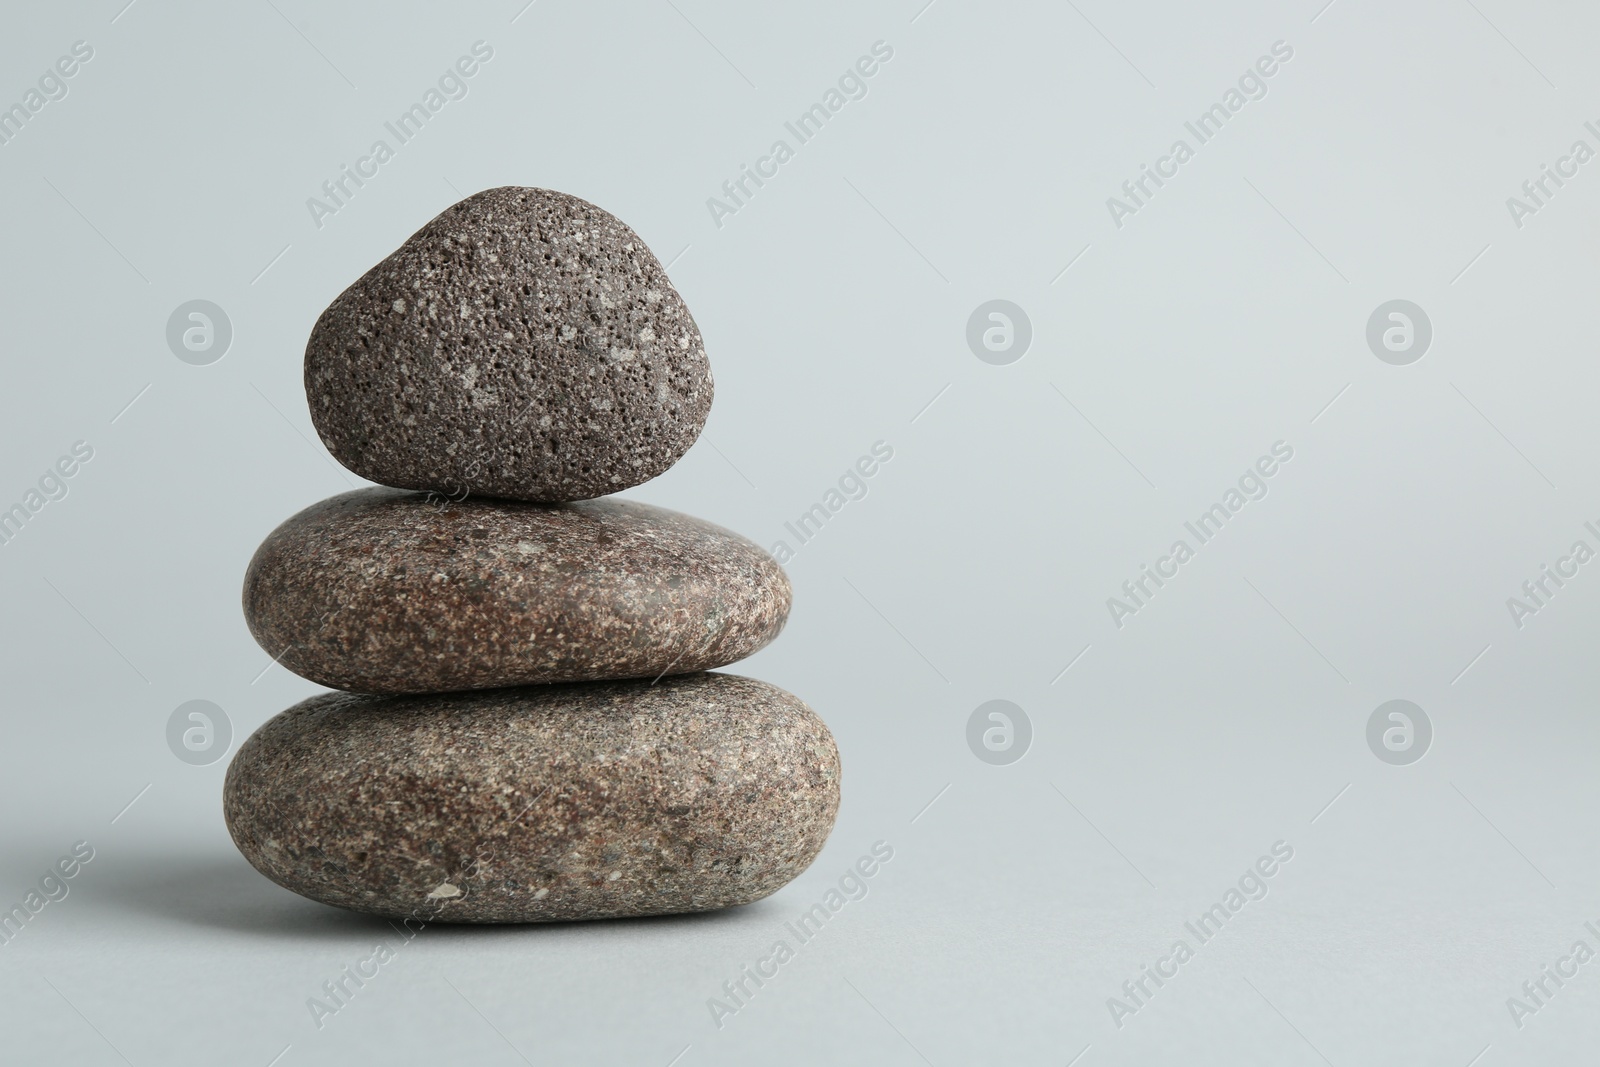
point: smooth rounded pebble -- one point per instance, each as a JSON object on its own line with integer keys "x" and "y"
{"x": 524, "y": 344}
{"x": 591, "y": 801}
{"x": 386, "y": 591}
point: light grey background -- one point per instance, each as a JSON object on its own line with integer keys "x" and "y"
{"x": 1229, "y": 313}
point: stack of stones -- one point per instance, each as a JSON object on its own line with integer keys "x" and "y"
{"x": 526, "y": 733}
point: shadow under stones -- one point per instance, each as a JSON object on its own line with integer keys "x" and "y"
{"x": 227, "y": 894}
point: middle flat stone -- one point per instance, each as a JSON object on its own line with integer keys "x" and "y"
{"x": 387, "y": 591}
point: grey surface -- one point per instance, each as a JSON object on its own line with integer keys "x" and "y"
{"x": 1230, "y": 312}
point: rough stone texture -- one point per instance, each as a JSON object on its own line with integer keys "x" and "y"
{"x": 587, "y": 801}
{"x": 524, "y": 344}
{"x": 384, "y": 591}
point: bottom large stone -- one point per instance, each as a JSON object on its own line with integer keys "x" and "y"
{"x": 583, "y": 801}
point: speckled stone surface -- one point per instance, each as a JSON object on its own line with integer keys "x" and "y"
{"x": 524, "y": 344}
{"x": 386, "y": 591}
{"x": 588, "y": 801}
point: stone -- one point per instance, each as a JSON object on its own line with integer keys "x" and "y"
{"x": 523, "y": 344}
{"x": 387, "y": 591}
{"x": 587, "y": 801}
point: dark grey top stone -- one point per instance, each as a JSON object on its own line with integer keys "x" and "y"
{"x": 524, "y": 344}
{"x": 385, "y": 591}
